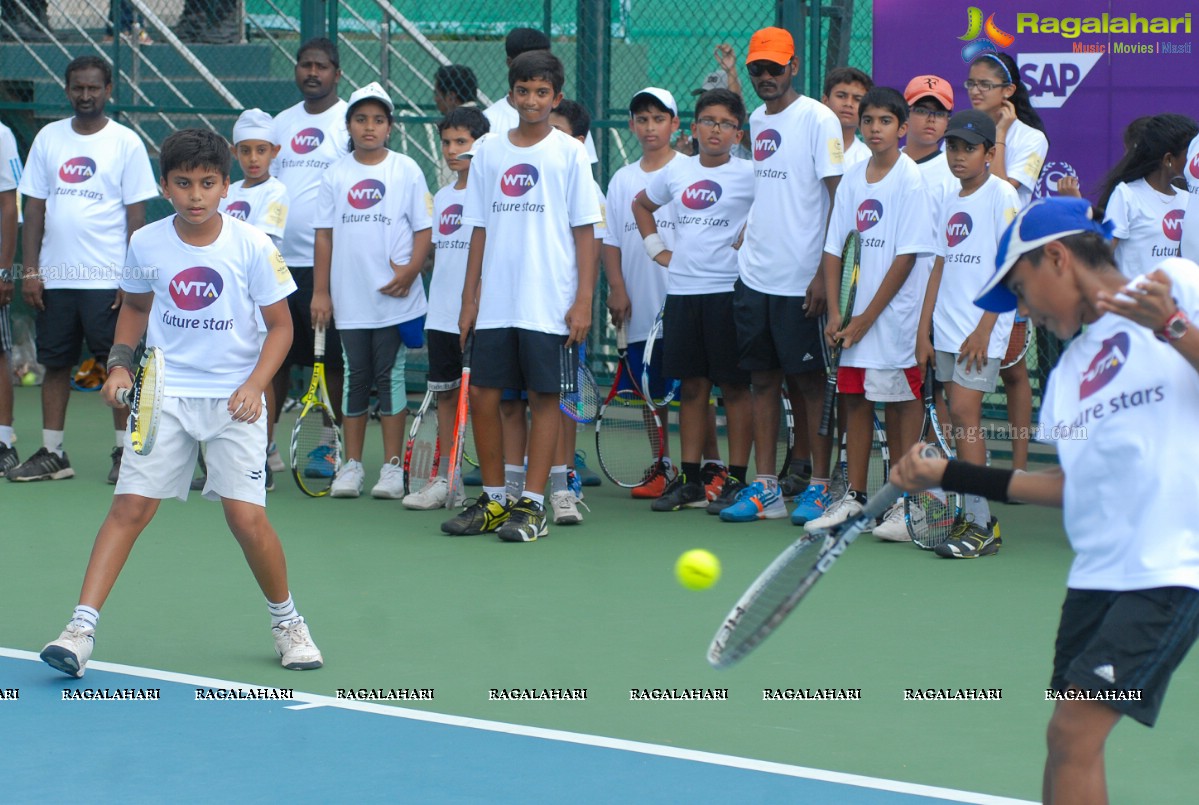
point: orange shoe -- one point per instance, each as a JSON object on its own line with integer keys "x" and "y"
{"x": 713, "y": 476}
{"x": 659, "y": 475}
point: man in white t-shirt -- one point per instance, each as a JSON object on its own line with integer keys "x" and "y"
{"x": 85, "y": 186}
{"x": 10, "y": 175}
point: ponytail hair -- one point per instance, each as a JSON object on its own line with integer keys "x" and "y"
{"x": 1160, "y": 135}
{"x": 1006, "y": 68}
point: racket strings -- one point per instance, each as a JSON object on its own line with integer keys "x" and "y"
{"x": 628, "y": 440}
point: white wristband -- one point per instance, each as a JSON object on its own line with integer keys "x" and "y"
{"x": 654, "y": 245}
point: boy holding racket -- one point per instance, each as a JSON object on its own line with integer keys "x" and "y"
{"x": 193, "y": 283}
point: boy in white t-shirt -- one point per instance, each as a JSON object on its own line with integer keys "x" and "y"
{"x": 10, "y": 176}
{"x": 373, "y": 235}
{"x": 967, "y": 344}
{"x": 844, "y": 88}
{"x": 193, "y": 281}
{"x": 1190, "y": 230}
{"x": 885, "y": 200}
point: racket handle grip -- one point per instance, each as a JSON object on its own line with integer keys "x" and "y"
{"x": 318, "y": 342}
{"x": 622, "y": 338}
{"x": 826, "y": 415}
{"x": 122, "y": 396}
{"x": 931, "y": 451}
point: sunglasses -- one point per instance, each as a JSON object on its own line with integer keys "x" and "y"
{"x": 757, "y": 68}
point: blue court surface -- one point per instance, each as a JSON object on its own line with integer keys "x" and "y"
{"x": 321, "y": 749}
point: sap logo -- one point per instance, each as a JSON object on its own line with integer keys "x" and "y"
{"x": 766, "y": 144}
{"x": 196, "y": 288}
{"x": 958, "y": 228}
{"x": 307, "y": 140}
{"x": 450, "y": 220}
{"x": 870, "y": 212}
{"x": 1172, "y": 224}
{"x": 1194, "y": 167}
{"x": 1053, "y": 173}
{"x": 366, "y": 193}
{"x": 1105, "y": 365}
{"x": 519, "y": 179}
{"x": 77, "y": 169}
{"x": 239, "y": 210}
{"x": 701, "y": 195}
{"x": 1051, "y": 78}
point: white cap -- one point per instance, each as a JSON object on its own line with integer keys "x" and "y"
{"x": 372, "y": 91}
{"x": 474, "y": 149}
{"x": 662, "y": 95}
{"x": 254, "y": 124}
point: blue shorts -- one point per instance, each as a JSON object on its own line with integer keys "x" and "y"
{"x": 658, "y": 384}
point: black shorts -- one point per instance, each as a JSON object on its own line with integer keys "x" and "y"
{"x": 1125, "y": 641}
{"x": 375, "y": 358}
{"x": 512, "y": 358}
{"x": 699, "y": 339}
{"x": 299, "y": 304}
{"x": 774, "y": 332}
{"x": 445, "y": 360}
{"x": 71, "y": 316}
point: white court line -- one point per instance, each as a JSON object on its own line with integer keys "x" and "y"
{"x": 312, "y": 700}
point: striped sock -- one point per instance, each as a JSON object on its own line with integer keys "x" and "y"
{"x": 85, "y": 616}
{"x": 281, "y": 613}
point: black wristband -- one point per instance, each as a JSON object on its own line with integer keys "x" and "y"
{"x": 120, "y": 355}
{"x": 974, "y": 479}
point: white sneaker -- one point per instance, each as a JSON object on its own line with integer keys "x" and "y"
{"x": 430, "y": 496}
{"x": 294, "y": 646}
{"x": 894, "y": 527}
{"x": 844, "y": 509}
{"x": 349, "y": 480}
{"x": 391, "y": 481}
{"x": 273, "y": 459}
{"x": 71, "y": 651}
{"x": 565, "y": 506}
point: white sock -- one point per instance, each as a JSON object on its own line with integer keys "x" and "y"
{"x": 533, "y": 496}
{"x": 976, "y": 507}
{"x": 558, "y": 478}
{"x": 514, "y": 479}
{"x": 52, "y": 440}
{"x": 281, "y": 613}
{"x": 85, "y": 616}
{"x": 497, "y": 493}
{"x": 7, "y": 435}
{"x": 120, "y": 438}
{"x": 768, "y": 481}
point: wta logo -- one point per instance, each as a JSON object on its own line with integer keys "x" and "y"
{"x": 518, "y": 180}
{"x": 1194, "y": 167}
{"x": 701, "y": 195}
{"x": 1105, "y": 366}
{"x": 196, "y": 288}
{"x": 239, "y": 210}
{"x": 869, "y": 213}
{"x": 766, "y": 144}
{"x": 77, "y": 169}
{"x": 366, "y": 194}
{"x": 958, "y": 228}
{"x": 1172, "y": 224}
{"x": 450, "y": 220}
{"x": 307, "y": 140}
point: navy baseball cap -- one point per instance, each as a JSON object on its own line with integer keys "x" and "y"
{"x": 1041, "y": 222}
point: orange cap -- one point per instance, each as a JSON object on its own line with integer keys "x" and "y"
{"x": 771, "y": 44}
{"x": 929, "y": 86}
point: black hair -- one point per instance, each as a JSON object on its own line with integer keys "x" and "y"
{"x": 90, "y": 63}
{"x": 846, "y": 75}
{"x": 935, "y": 102}
{"x": 722, "y": 97}
{"x": 188, "y": 149}
{"x": 888, "y": 99}
{"x": 524, "y": 40}
{"x": 458, "y": 79}
{"x": 1132, "y": 132}
{"x": 466, "y": 117}
{"x": 1005, "y": 67}
{"x": 647, "y": 102}
{"x": 576, "y": 115}
{"x": 1160, "y": 135}
{"x": 325, "y": 46}
{"x": 537, "y": 64}
{"x": 350, "y": 113}
{"x": 1090, "y": 248}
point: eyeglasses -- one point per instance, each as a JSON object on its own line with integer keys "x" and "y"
{"x": 935, "y": 114}
{"x": 724, "y": 125}
{"x": 757, "y": 68}
{"x": 985, "y": 86}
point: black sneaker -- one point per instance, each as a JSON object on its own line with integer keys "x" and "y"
{"x": 42, "y": 466}
{"x": 115, "y": 472}
{"x": 680, "y": 493}
{"x": 526, "y": 522}
{"x": 728, "y": 495}
{"x": 969, "y": 540}
{"x": 793, "y": 485}
{"x": 8, "y": 458}
{"x": 198, "y": 481}
{"x": 481, "y": 517}
{"x": 270, "y": 478}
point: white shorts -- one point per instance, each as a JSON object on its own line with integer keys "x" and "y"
{"x": 983, "y": 379}
{"x": 235, "y": 454}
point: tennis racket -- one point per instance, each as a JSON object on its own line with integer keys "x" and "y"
{"x": 1018, "y": 344}
{"x": 932, "y": 513}
{"x": 461, "y": 415}
{"x": 144, "y": 401}
{"x": 315, "y": 438}
{"x": 422, "y": 454}
{"x": 582, "y": 404}
{"x": 628, "y": 432}
{"x": 672, "y": 386}
{"x": 786, "y": 434}
{"x": 785, "y": 582}
{"x": 851, "y": 266}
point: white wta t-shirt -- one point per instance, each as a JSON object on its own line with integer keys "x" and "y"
{"x": 528, "y": 200}
{"x": 205, "y": 301}
{"x": 503, "y": 117}
{"x": 1148, "y": 225}
{"x": 644, "y": 279}
{"x": 1122, "y": 408}
{"x": 794, "y": 151}
{"x": 374, "y": 211}
{"x": 969, "y": 240}
{"x": 86, "y": 182}
{"x": 712, "y": 204}
{"x": 1025, "y": 150}
{"x": 309, "y": 145}
{"x": 451, "y": 244}
{"x": 1190, "y": 231}
{"x": 934, "y": 170}
{"x": 892, "y": 217}
{"x": 10, "y": 160}
{"x": 263, "y": 206}
{"x": 855, "y": 151}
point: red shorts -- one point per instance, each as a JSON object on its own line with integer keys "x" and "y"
{"x": 881, "y": 385}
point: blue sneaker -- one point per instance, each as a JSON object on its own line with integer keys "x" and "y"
{"x": 574, "y": 484}
{"x": 320, "y": 463}
{"x": 588, "y": 477}
{"x": 812, "y": 504}
{"x": 756, "y": 502}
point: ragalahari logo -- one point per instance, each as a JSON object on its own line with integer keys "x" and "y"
{"x": 519, "y": 179}
{"x": 450, "y": 220}
{"x": 982, "y": 37}
{"x": 1104, "y": 366}
{"x": 1172, "y": 225}
{"x": 958, "y": 228}
{"x": 307, "y": 140}
{"x": 239, "y": 210}
{"x": 366, "y": 194}
{"x": 196, "y": 288}
{"x": 701, "y": 195}
{"x": 77, "y": 169}
{"x": 766, "y": 144}
{"x": 870, "y": 212}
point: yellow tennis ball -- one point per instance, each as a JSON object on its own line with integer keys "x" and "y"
{"x": 28, "y": 379}
{"x": 697, "y": 569}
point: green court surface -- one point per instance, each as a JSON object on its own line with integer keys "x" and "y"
{"x": 394, "y": 604}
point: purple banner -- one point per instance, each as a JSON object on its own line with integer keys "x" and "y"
{"x": 1090, "y": 67}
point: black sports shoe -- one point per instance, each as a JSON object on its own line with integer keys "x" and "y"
{"x": 8, "y": 458}
{"x": 680, "y": 493}
{"x": 270, "y": 478}
{"x": 480, "y": 517}
{"x": 42, "y": 466}
{"x": 526, "y": 522}
{"x": 115, "y": 472}
{"x": 728, "y": 495}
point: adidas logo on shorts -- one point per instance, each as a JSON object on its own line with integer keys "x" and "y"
{"x": 1106, "y": 673}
